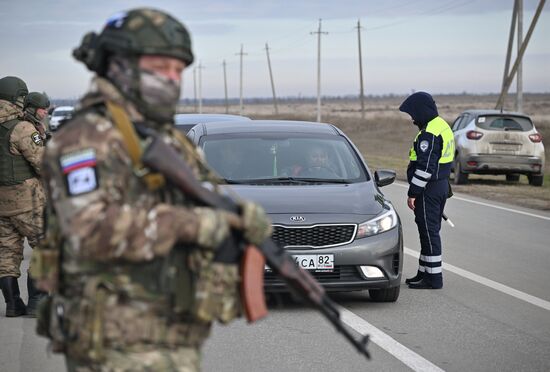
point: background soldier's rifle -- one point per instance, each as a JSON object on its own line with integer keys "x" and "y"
{"x": 160, "y": 157}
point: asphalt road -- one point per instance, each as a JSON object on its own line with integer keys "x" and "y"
{"x": 493, "y": 313}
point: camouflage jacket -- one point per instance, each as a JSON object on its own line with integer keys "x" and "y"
{"x": 23, "y": 141}
{"x": 119, "y": 236}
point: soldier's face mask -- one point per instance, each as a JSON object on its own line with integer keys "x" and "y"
{"x": 160, "y": 93}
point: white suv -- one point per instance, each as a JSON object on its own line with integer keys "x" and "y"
{"x": 59, "y": 115}
{"x": 495, "y": 142}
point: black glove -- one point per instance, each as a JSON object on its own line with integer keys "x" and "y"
{"x": 231, "y": 249}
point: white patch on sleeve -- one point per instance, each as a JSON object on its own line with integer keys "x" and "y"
{"x": 424, "y": 146}
{"x": 81, "y": 181}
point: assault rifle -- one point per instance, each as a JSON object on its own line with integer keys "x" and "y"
{"x": 161, "y": 158}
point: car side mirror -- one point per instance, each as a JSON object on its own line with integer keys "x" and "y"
{"x": 384, "y": 177}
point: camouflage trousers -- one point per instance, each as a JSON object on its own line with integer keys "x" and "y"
{"x": 183, "y": 359}
{"x": 13, "y": 231}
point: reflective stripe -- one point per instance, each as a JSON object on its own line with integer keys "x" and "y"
{"x": 422, "y": 174}
{"x": 418, "y": 182}
{"x": 430, "y": 258}
{"x": 421, "y": 269}
{"x": 434, "y": 270}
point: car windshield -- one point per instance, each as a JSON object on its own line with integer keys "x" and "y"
{"x": 62, "y": 112}
{"x": 504, "y": 123}
{"x": 272, "y": 159}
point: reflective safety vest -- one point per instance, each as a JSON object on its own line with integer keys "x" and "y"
{"x": 438, "y": 127}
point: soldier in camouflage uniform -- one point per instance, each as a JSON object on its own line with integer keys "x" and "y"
{"x": 21, "y": 195}
{"x": 140, "y": 279}
{"x": 36, "y": 111}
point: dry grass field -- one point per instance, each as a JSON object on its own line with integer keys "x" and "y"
{"x": 385, "y": 135}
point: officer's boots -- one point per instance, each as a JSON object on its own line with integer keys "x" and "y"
{"x": 14, "y": 304}
{"x": 35, "y": 295}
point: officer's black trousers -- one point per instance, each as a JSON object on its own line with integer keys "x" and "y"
{"x": 428, "y": 212}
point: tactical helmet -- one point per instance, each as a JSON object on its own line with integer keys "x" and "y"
{"x": 13, "y": 89}
{"x": 134, "y": 33}
{"x": 37, "y": 100}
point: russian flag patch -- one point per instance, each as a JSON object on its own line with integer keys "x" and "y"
{"x": 79, "y": 169}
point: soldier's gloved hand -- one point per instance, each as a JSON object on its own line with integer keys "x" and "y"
{"x": 256, "y": 225}
{"x": 213, "y": 227}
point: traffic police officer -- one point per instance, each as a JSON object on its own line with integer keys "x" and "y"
{"x": 21, "y": 194}
{"x": 143, "y": 274}
{"x": 429, "y": 168}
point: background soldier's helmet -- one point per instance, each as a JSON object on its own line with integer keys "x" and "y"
{"x": 134, "y": 33}
{"x": 35, "y": 100}
{"x": 13, "y": 89}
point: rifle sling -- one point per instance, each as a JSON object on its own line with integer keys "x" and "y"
{"x": 122, "y": 122}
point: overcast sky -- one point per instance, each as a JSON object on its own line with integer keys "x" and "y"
{"x": 442, "y": 46}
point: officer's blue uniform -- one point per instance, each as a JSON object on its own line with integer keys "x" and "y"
{"x": 430, "y": 157}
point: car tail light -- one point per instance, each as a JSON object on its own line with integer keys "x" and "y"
{"x": 474, "y": 135}
{"x": 472, "y": 163}
{"x": 535, "y": 137}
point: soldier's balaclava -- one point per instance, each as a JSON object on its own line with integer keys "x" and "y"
{"x": 154, "y": 95}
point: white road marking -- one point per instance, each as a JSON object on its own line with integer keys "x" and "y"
{"x": 399, "y": 351}
{"x": 490, "y": 283}
{"x": 487, "y": 204}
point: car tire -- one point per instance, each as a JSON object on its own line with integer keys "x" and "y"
{"x": 512, "y": 177}
{"x": 536, "y": 179}
{"x": 460, "y": 177}
{"x": 384, "y": 295}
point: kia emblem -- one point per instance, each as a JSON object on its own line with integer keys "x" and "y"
{"x": 297, "y": 218}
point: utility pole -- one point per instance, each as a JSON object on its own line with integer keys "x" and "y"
{"x": 508, "y": 80}
{"x": 319, "y": 32}
{"x": 200, "y": 67}
{"x": 241, "y": 108}
{"x": 195, "y": 88}
{"x": 519, "y": 78}
{"x": 225, "y": 88}
{"x": 271, "y": 78}
{"x": 361, "y": 91}
{"x": 510, "y": 46}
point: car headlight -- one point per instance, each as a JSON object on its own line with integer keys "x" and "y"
{"x": 384, "y": 222}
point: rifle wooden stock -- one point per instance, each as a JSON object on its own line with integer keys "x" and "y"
{"x": 160, "y": 157}
{"x": 252, "y": 284}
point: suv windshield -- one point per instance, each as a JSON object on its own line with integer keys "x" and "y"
{"x": 262, "y": 158}
{"x": 499, "y": 123}
{"x": 62, "y": 112}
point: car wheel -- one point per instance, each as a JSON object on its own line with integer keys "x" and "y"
{"x": 512, "y": 177}
{"x": 535, "y": 179}
{"x": 384, "y": 295}
{"x": 460, "y": 178}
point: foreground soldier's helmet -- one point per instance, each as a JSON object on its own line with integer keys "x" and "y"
{"x": 13, "y": 89}
{"x": 36, "y": 100}
{"x": 134, "y": 33}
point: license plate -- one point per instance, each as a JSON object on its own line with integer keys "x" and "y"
{"x": 315, "y": 262}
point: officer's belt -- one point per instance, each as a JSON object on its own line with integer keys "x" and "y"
{"x": 153, "y": 180}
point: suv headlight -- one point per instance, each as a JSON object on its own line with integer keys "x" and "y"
{"x": 384, "y": 222}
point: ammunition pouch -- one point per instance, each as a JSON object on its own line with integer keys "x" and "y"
{"x": 216, "y": 289}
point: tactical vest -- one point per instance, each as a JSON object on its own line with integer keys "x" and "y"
{"x": 14, "y": 169}
{"x": 438, "y": 127}
{"x": 175, "y": 298}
